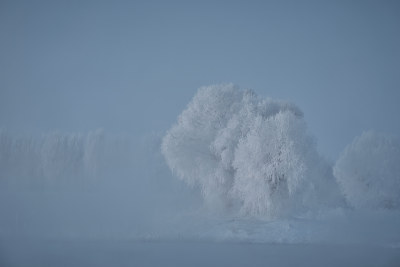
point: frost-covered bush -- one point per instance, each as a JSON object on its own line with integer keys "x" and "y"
{"x": 248, "y": 153}
{"x": 368, "y": 171}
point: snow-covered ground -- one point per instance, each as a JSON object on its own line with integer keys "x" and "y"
{"x": 82, "y": 253}
{"x": 55, "y": 232}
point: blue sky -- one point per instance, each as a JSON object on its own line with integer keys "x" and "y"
{"x": 132, "y": 66}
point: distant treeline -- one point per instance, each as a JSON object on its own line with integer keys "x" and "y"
{"x": 58, "y": 157}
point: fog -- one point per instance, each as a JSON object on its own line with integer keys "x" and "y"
{"x": 92, "y": 186}
{"x": 250, "y": 174}
{"x": 133, "y": 67}
{"x": 134, "y": 130}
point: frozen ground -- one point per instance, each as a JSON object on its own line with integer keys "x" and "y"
{"x": 82, "y": 253}
{"x": 339, "y": 238}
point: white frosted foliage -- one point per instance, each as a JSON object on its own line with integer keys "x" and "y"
{"x": 246, "y": 153}
{"x": 368, "y": 171}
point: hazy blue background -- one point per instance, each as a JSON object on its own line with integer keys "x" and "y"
{"x": 133, "y": 66}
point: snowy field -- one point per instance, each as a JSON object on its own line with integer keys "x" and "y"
{"x": 81, "y": 253}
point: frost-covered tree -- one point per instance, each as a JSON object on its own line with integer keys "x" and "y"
{"x": 6, "y": 151}
{"x": 248, "y": 153}
{"x": 94, "y": 151}
{"x": 58, "y": 159}
{"x": 368, "y": 171}
{"x": 19, "y": 158}
{"x": 62, "y": 155}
